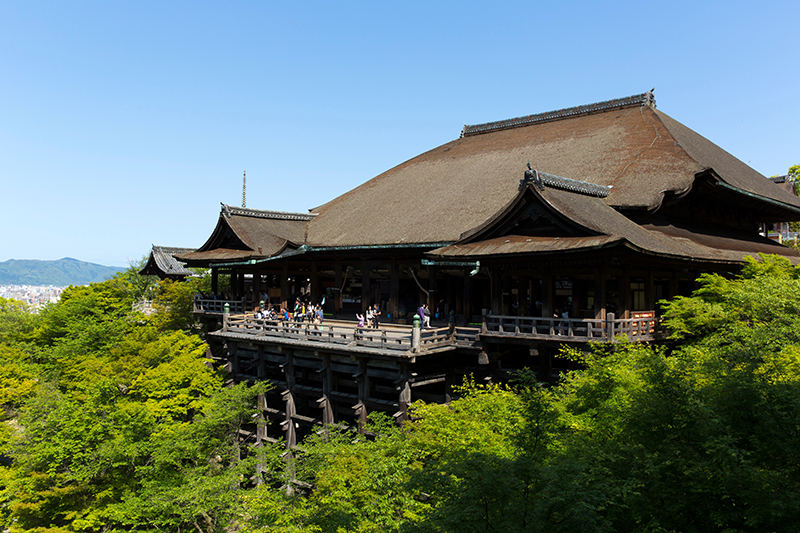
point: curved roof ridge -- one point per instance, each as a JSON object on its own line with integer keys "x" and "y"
{"x": 540, "y": 179}
{"x": 617, "y": 103}
{"x": 229, "y": 210}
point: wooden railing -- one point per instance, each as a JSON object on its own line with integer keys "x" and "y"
{"x": 645, "y": 326}
{"x": 385, "y": 339}
{"x": 641, "y": 328}
{"x": 218, "y": 306}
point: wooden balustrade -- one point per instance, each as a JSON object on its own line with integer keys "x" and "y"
{"x": 641, "y": 328}
{"x": 645, "y": 326}
{"x": 218, "y": 306}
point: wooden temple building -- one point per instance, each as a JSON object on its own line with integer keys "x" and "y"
{"x": 520, "y": 235}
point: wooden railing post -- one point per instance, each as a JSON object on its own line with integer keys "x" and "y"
{"x": 484, "y": 318}
{"x": 610, "y": 326}
{"x": 415, "y": 334}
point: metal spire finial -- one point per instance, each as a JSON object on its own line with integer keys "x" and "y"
{"x": 244, "y": 189}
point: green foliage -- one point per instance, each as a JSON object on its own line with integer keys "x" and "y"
{"x": 122, "y": 426}
{"x": 16, "y": 320}
{"x": 18, "y": 378}
{"x": 174, "y": 303}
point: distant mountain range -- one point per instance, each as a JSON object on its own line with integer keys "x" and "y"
{"x": 63, "y": 272}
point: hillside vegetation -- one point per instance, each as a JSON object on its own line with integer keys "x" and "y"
{"x": 115, "y": 423}
{"x": 60, "y": 273}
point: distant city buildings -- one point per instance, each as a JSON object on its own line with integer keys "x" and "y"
{"x": 32, "y": 294}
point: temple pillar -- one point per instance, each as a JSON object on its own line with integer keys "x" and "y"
{"x": 394, "y": 289}
{"x": 366, "y": 294}
{"x": 290, "y": 433}
{"x": 497, "y": 290}
{"x": 599, "y": 294}
{"x": 433, "y": 286}
{"x": 624, "y": 294}
{"x": 327, "y": 387}
{"x": 337, "y": 293}
{"x": 505, "y": 301}
{"x": 649, "y": 290}
{"x": 547, "y": 295}
{"x": 363, "y": 395}
{"x": 467, "y": 297}
{"x": 315, "y": 288}
{"x": 285, "y": 287}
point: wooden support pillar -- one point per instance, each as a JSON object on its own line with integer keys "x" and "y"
{"x": 624, "y": 294}
{"x": 523, "y": 286}
{"x": 547, "y": 295}
{"x": 233, "y": 360}
{"x": 450, "y": 378}
{"x": 545, "y": 360}
{"x": 315, "y": 288}
{"x": 497, "y": 290}
{"x": 290, "y": 433}
{"x": 240, "y": 285}
{"x": 599, "y": 294}
{"x": 327, "y": 387}
{"x": 285, "y": 287}
{"x": 433, "y": 287}
{"x": 673, "y": 285}
{"x": 337, "y": 283}
{"x": 467, "y": 296}
{"x": 649, "y": 291}
{"x": 394, "y": 289}
{"x": 214, "y": 280}
{"x": 405, "y": 392}
{"x": 257, "y": 287}
{"x": 363, "y": 395}
{"x": 506, "y": 295}
{"x": 366, "y": 295}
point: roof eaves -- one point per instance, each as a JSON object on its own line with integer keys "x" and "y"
{"x": 755, "y": 196}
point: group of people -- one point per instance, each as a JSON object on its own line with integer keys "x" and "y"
{"x": 371, "y": 318}
{"x": 424, "y": 315}
{"x": 302, "y": 312}
{"x": 307, "y": 312}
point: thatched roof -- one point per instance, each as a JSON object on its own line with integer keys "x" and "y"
{"x": 607, "y": 169}
{"x": 640, "y": 152}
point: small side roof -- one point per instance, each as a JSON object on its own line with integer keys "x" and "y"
{"x": 243, "y": 234}
{"x": 162, "y": 263}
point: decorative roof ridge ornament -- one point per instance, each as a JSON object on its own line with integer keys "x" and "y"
{"x": 532, "y": 176}
{"x": 540, "y": 179}
{"x": 549, "y": 116}
{"x": 260, "y": 213}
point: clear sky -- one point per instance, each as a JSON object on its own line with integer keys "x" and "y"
{"x": 125, "y": 124}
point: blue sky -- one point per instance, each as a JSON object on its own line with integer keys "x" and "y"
{"x": 125, "y": 124}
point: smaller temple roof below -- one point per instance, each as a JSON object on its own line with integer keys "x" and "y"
{"x": 606, "y": 227}
{"x": 162, "y": 263}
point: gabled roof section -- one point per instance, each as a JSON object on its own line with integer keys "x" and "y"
{"x": 243, "y": 233}
{"x": 530, "y": 214}
{"x": 162, "y": 263}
